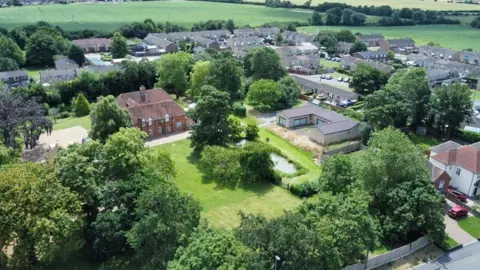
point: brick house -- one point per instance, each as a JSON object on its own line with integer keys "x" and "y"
{"x": 93, "y": 45}
{"x": 372, "y": 40}
{"x": 154, "y": 111}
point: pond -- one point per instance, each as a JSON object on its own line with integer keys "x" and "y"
{"x": 283, "y": 165}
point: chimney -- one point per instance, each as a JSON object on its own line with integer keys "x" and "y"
{"x": 142, "y": 93}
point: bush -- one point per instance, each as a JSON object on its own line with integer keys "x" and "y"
{"x": 305, "y": 189}
{"x": 353, "y": 114}
{"x": 64, "y": 114}
{"x": 63, "y": 108}
{"x": 46, "y": 108}
{"x": 80, "y": 106}
{"x": 251, "y": 132}
{"x": 341, "y": 70}
{"x": 239, "y": 110}
{"x": 468, "y": 136}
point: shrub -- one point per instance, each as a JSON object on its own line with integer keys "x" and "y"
{"x": 63, "y": 115}
{"x": 80, "y": 106}
{"x": 468, "y": 136}
{"x": 239, "y": 110}
{"x": 305, "y": 189}
{"x": 251, "y": 132}
{"x": 341, "y": 70}
{"x": 46, "y": 108}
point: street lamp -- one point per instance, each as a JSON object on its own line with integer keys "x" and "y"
{"x": 277, "y": 259}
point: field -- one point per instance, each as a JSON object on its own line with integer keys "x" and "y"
{"x": 221, "y": 205}
{"x": 422, "y": 4}
{"x": 456, "y": 37}
{"x": 108, "y": 17}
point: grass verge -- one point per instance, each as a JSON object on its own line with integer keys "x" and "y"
{"x": 71, "y": 122}
{"x": 471, "y": 225}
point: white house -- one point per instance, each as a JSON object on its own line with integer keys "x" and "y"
{"x": 461, "y": 163}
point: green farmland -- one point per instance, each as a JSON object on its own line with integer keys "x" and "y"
{"x": 422, "y": 4}
{"x": 456, "y": 37}
{"x": 108, "y": 17}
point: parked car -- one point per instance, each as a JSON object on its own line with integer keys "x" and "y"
{"x": 457, "y": 212}
{"x": 340, "y": 79}
{"x": 459, "y": 195}
{"x": 475, "y": 112}
{"x": 346, "y": 79}
{"x": 477, "y": 108}
{"x": 329, "y": 77}
{"x": 323, "y": 76}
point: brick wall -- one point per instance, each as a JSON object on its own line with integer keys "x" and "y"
{"x": 160, "y": 128}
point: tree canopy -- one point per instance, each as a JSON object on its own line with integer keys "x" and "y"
{"x": 8, "y": 64}
{"x": 367, "y": 79}
{"x": 80, "y": 106}
{"x": 173, "y": 72}
{"x": 264, "y": 94}
{"x": 76, "y": 54}
{"x": 225, "y": 75}
{"x": 119, "y": 47}
{"x": 11, "y": 50}
{"x": 198, "y": 78}
{"x": 264, "y": 63}
{"x": 450, "y": 106}
{"x": 43, "y": 45}
{"x": 107, "y": 118}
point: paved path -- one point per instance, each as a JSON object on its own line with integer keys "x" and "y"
{"x": 465, "y": 258}
{"x": 168, "y": 139}
{"x": 452, "y": 228}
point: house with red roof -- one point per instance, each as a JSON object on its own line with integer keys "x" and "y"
{"x": 456, "y": 165}
{"x": 154, "y": 111}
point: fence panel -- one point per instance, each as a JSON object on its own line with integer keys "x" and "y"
{"x": 391, "y": 255}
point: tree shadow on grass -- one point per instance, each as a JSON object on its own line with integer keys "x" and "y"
{"x": 259, "y": 188}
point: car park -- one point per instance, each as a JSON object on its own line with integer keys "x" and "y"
{"x": 457, "y": 212}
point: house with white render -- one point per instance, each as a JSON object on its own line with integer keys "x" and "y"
{"x": 456, "y": 165}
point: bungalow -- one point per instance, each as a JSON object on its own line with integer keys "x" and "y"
{"x": 401, "y": 45}
{"x": 372, "y": 40}
{"x": 53, "y": 76}
{"x": 94, "y": 45}
{"x": 380, "y": 56}
{"x": 65, "y": 64}
{"x": 351, "y": 63}
{"x": 459, "y": 167}
{"x": 154, "y": 111}
{"x": 439, "y": 53}
{"x": 328, "y": 127}
{"x": 162, "y": 44}
{"x": 14, "y": 78}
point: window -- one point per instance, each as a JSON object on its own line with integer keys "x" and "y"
{"x": 281, "y": 121}
{"x": 320, "y": 122}
{"x": 167, "y": 117}
{"x": 150, "y": 131}
{"x": 441, "y": 184}
{"x": 458, "y": 171}
{"x": 299, "y": 122}
{"x": 179, "y": 124}
{"x": 149, "y": 121}
{"x": 160, "y": 130}
{"x": 143, "y": 123}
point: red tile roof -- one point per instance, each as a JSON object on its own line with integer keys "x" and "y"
{"x": 466, "y": 156}
{"x": 156, "y": 104}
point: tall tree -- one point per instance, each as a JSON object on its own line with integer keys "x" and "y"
{"x": 358, "y": 46}
{"x": 19, "y": 36}
{"x": 345, "y": 36}
{"x": 173, "y": 72}
{"x": 76, "y": 54}
{"x": 225, "y": 75}
{"x": 367, "y": 79}
{"x": 337, "y": 175}
{"x": 290, "y": 91}
{"x": 316, "y": 18}
{"x": 119, "y": 46}
{"x": 38, "y": 213}
{"x": 166, "y": 218}
{"x": 220, "y": 165}
{"x": 107, "y": 118}
{"x": 404, "y": 200}
{"x": 230, "y": 25}
{"x": 386, "y": 107}
{"x": 8, "y": 64}
{"x": 328, "y": 40}
{"x": 212, "y": 113}
{"x": 256, "y": 163}
{"x": 43, "y": 45}
{"x": 264, "y": 63}
{"x": 450, "y": 106}
{"x": 21, "y": 117}
{"x": 264, "y": 94}
{"x": 210, "y": 248}
{"x": 198, "y": 78}
{"x": 80, "y": 106}
{"x": 11, "y": 50}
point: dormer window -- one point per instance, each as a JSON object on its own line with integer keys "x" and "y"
{"x": 167, "y": 117}
{"x": 143, "y": 122}
{"x": 149, "y": 121}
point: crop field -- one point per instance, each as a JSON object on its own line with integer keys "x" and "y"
{"x": 423, "y": 4}
{"x": 456, "y": 37}
{"x": 108, "y": 17}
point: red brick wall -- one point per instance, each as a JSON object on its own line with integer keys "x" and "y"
{"x": 169, "y": 127}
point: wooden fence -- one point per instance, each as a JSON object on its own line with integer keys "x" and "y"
{"x": 391, "y": 256}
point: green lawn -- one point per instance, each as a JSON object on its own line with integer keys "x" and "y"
{"x": 34, "y": 72}
{"x": 449, "y": 242}
{"x": 463, "y": 19}
{"x": 471, "y": 225}
{"x": 71, "y": 122}
{"x": 221, "y": 205}
{"x": 457, "y": 37}
{"x": 108, "y": 17}
{"x": 475, "y": 95}
{"x": 424, "y": 142}
{"x": 330, "y": 64}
